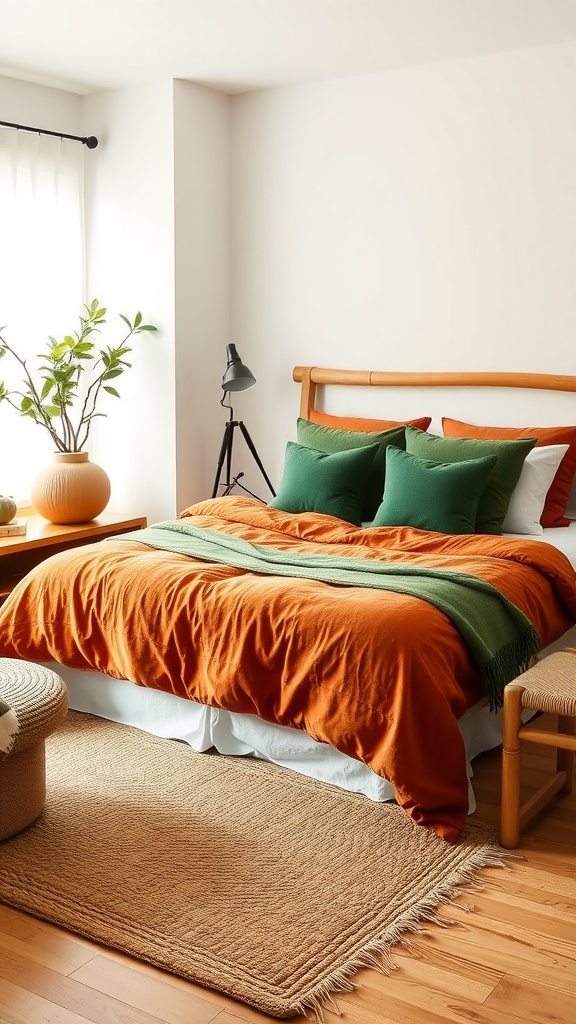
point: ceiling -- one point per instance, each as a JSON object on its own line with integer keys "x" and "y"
{"x": 238, "y": 45}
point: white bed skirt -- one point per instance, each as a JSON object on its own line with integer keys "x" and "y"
{"x": 203, "y": 728}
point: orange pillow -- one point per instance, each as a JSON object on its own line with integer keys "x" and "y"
{"x": 355, "y": 423}
{"x": 559, "y": 493}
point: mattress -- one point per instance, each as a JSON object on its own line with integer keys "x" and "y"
{"x": 562, "y": 537}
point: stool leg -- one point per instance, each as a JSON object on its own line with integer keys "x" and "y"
{"x": 511, "y": 748}
{"x": 565, "y": 758}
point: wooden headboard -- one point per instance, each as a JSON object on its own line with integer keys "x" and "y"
{"x": 310, "y": 376}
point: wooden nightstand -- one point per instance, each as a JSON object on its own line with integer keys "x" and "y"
{"x": 20, "y": 554}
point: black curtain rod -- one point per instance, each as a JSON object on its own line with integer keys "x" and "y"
{"x": 89, "y": 141}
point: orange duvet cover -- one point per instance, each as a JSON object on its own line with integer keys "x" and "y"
{"x": 381, "y": 676}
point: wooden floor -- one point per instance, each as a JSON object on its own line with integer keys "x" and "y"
{"x": 512, "y": 959}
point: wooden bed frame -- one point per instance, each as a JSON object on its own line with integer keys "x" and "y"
{"x": 311, "y": 376}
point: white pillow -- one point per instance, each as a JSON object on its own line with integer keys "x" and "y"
{"x": 529, "y": 495}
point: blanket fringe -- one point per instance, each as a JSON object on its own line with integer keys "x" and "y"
{"x": 377, "y": 954}
{"x": 510, "y": 661}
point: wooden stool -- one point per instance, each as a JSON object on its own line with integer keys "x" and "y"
{"x": 549, "y": 686}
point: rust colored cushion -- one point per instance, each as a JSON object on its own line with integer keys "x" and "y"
{"x": 359, "y": 423}
{"x": 559, "y": 493}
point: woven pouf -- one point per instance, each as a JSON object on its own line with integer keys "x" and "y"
{"x": 34, "y": 701}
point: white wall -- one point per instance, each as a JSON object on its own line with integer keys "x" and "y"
{"x": 202, "y": 282}
{"x": 130, "y": 267}
{"x": 158, "y": 242}
{"x": 41, "y": 107}
{"x": 419, "y": 219}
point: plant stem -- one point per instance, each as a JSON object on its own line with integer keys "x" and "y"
{"x": 92, "y": 397}
{"x": 46, "y": 421}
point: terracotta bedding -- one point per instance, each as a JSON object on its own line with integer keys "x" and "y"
{"x": 381, "y": 676}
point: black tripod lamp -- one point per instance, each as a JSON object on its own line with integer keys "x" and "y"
{"x": 237, "y": 377}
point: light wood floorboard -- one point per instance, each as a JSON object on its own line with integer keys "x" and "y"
{"x": 510, "y": 959}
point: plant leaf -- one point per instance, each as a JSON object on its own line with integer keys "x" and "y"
{"x": 61, "y": 367}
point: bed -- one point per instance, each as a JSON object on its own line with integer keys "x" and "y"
{"x": 355, "y": 653}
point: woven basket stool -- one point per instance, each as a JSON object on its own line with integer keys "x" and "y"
{"x": 549, "y": 686}
{"x": 39, "y": 700}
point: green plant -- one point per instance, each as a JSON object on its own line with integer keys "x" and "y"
{"x": 66, "y": 380}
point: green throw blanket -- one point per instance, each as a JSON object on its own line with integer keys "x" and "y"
{"x": 501, "y": 639}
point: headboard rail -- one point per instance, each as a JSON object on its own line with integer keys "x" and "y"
{"x": 310, "y": 376}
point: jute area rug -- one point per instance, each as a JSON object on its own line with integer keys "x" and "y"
{"x": 231, "y": 872}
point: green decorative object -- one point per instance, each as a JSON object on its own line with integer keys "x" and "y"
{"x": 330, "y": 440}
{"x": 7, "y": 509}
{"x": 333, "y": 484}
{"x": 495, "y": 498}
{"x": 438, "y": 496}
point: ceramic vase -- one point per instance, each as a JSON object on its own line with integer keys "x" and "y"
{"x": 70, "y": 489}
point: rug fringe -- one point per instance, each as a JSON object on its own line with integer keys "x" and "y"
{"x": 377, "y": 954}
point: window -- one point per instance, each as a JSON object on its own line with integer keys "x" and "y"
{"x": 41, "y": 275}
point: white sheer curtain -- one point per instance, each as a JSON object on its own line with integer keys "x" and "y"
{"x": 41, "y": 276}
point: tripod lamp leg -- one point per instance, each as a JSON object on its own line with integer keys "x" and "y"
{"x": 225, "y": 453}
{"x": 255, "y": 455}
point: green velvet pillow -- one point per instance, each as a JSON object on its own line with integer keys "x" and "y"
{"x": 493, "y": 504}
{"x": 313, "y": 481}
{"x": 330, "y": 440}
{"x": 435, "y": 496}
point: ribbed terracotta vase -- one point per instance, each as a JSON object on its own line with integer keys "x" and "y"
{"x": 70, "y": 489}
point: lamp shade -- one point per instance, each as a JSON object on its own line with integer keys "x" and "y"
{"x": 237, "y": 376}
